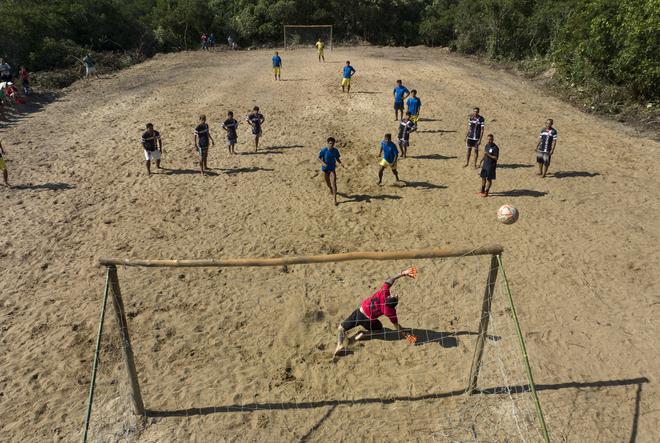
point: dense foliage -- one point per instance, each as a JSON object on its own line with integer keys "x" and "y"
{"x": 615, "y": 42}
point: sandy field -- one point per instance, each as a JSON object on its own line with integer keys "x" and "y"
{"x": 582, "y": 260}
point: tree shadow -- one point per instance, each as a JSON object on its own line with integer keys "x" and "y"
{"x": 50, "y": 186}
{"x": 294, "y": 80}
{"x": 519, "y": 193}
{"x": 423, "y": 119}
{"x": 265, "y": 151}
{"x": 433, "y": 157}
{"x": 435, "y": 131}
{"x": 365, "y": 92}
{"x": 168, "y": 171}
{"x": 234, "y": 171}
{"x": 513, "y": 166}
{"x": 284, "y": 147}
{"x": 423, "y": 185}
{"x": 566, "y": 174}
{"x": 34, "y": 103}
{"x": 499, "y": 390}
{"x": 318, "y": 424}
{"x": 351, "y": 198}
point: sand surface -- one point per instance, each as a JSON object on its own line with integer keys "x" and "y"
{"x": 582, "y": 260}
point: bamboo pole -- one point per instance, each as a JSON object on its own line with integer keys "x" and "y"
{"x": 127, "y": 349}
{"x": 92, "y": 384}
{"x": 412, "y": 254}
{"x": 483, "y": 324}
{"x": 523, "y": 349}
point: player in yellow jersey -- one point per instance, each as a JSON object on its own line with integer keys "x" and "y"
{"x": 319, "y": 49}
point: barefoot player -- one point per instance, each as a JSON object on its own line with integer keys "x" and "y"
{"x": 488, "y": 165}
{"x": 277, "y": 66}
{"x": 347, "y": 74}
{"x": 388, "y": 155}
{"x": 202, "y": 137}
{"x": 366, "y": 315}
{"x": 319, "y": 49}
{"x": 414, "y": 104}
{"x": 473, "y": 137}
{"x": 406, "y": 126}
{"x": 256, "y": 119}
{"x": 329, "y": 157}
{"x": 153, "y": 147}
{"x": 546, "y": 147}
{"x": 230, "y": 126}
{"x": 400, "y": 93}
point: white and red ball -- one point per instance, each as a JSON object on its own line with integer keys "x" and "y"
{"x": 507, "y": 214}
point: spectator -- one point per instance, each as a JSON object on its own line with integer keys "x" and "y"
{"x": 5, "y": 71}
{"x": 90, "y": 67}
{"x": 212, "y": 40}
{"x": 25, "y": 79}
{"x": 205, "y": 42}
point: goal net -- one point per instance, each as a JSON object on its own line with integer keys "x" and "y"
{"x": 245, "y": 353}
{"x": 306, "y": 36}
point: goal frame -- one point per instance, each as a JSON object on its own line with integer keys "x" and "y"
{"x": 307, "y": 26}
{"x": 496, "y": 267}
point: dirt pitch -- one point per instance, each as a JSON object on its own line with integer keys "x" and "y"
{"x": 583, "y": 259}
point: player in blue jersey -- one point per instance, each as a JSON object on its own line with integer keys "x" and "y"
{"x": 474, "y": 135}
{"x": 277, "y": 66}
{"x": 329, "y": 157}
{"x": 389, "y": 156}
{"x": 414, "y": 104}
{"x": 347, "y": 74}
{"x": 256, "y": 119}
{"x": 546, "y": 147}
{"x": 400, "y": 93}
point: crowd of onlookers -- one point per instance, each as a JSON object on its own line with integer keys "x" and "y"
{"x": 9, "y": 93}
{"x": 209, "y": 41}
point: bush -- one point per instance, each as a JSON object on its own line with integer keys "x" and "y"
{"x": 55, "y": 54}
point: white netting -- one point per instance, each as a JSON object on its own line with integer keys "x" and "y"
{"x": 245, "y": 354}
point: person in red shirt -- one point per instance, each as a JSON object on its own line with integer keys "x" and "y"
{"x": 25, "y": 78}
{"x": 380, "y": 303}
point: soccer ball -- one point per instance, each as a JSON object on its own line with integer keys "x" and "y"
{"x": 507, "y": 214}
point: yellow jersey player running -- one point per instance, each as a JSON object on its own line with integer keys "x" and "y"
{"x": 319, "y": 49}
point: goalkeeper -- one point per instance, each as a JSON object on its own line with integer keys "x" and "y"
{"x": 380, "y": 303}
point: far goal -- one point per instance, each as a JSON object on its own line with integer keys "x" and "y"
{"x": 306, "y": 36}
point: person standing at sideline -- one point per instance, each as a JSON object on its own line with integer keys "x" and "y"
{"x": 90, "y": 66}
{"x": 546, "y": 147}
{"x": 319, "y": 49}
{"x": 277, "y": 66}
{"x": 347, "y": 74}
{"x": 329, "y": 157}
{"x": 489, "y": 165}
{"x": 5, "y": 71}
{"x": 3, "y": 167}
{"x": 153, "y": 147}
{"x": 202, "y": 137}
{"x": 474, "y": 135}
{"x": 400, "y": 94}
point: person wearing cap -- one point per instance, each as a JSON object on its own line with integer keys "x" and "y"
{"x": 382, "y": 302}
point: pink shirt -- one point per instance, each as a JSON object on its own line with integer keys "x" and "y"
{"x": 374, "y": 306}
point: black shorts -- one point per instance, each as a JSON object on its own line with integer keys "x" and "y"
{"x": 398, "y": 106}
{"x": 472, "y": 143}
{"x": 488, "y": 173}
{"x": 357, "y": 318}
{"x": 543, "y": 158}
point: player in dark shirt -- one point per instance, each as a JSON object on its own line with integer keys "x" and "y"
{"x": 230, "y": 126}
{"x": 256, "y": 119}
{"x": 202, "y": 137}
{"x": 473, "y": 137}
{"x": 546, "y": 147}
{"x": 406, "y": 126}
{"x": 488, "y": 165}
{"x": 153, "y": 146}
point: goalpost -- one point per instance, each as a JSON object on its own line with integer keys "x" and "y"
{"x": 471, "y": 389}
{"x": 296, "y": 35}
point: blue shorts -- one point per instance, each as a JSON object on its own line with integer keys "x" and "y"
{"x": 398, "y": 105}
{"x": 328, "y": 169}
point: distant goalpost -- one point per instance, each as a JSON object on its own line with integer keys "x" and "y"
{"x": 487, "y": 315}
{"x": 294, "y": 35}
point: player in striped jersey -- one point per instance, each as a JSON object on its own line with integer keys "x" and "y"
{"x": 202, "y": 137}
{"x": 546, "y": 147}
{"x": 256, "y": 119}
{"x": 153, "y": 147}
{"x": 473, "y": 137}
{"x": 406, "y": 126}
